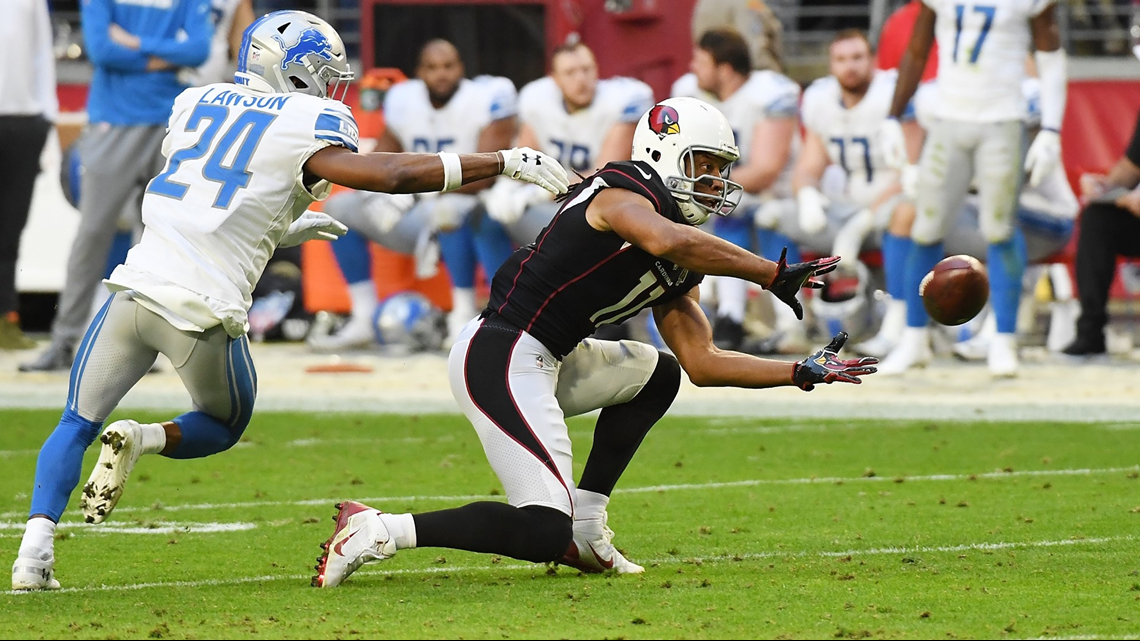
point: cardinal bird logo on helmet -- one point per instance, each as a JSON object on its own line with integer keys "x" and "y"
{"x": 663, "y": 120}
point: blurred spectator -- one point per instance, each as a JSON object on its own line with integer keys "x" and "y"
{"x": 895, "y": 37}
{"x": 28, "y": 106}
{"x": 1110, "y": 228}
{"x": 137, "y": 50}
{"x": 753, "y": 19}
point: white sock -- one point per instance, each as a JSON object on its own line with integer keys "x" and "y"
{"x": 402, "y": 527}
{"x": 463, "y": 301}
{"x": 39, "y": 539}
{"x": 153, "y": 438}
{"x": 731, "y": 294}
{"x": 589, "y": 505}
{"x": 363, "y": 296}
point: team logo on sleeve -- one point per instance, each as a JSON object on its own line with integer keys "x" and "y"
{"x": 663, "y": 120}
{"x": 311, "y": 41}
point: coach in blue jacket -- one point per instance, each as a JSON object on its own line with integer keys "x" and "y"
{"x": 137, "y": 47}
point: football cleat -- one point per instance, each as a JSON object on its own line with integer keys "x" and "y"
{"x": 356, "y": 333}
{"x": 1002, "y": 358}
{"x": 913, "y": 350}
{"x": 122, "y": 444}
{"x": 592, "y": 549}
{"x": 33, "y": 574}
{"x": 360, "y": 537}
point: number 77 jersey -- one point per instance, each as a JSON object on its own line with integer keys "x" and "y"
{"x": 982, "y": 48}
{"x": 231, "y": 187}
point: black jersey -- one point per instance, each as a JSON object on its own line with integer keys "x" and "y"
{"x": 574, "y": 278}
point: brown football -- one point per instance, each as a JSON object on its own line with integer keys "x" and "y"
{"x": 955, "y": 290}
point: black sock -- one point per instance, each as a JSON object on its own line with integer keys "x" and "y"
{"x": 621, "y": 428}
{"x": 532, "y": 533}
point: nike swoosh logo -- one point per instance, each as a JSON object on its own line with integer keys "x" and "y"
{"x": 607, "y": 564}
{"x": 642, "y": 172}
{"x": 340, "y": 544}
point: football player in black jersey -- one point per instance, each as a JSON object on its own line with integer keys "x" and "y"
{"x": 624, "y": 239}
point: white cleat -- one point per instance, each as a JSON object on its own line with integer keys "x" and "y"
{"x": 878, "y": 346}
{"x": 592, "y": 549}
{"x": 360, "y": 537}
{"x": 913, "y": 350}
{"x": 973, "y": 349}
{"x": 892, "y": 326}
{"x": 122, "y": 444}
{"x": 356, "y": 333}
{"x": 1002, "y": 357}
{"x": 33, "y": 574}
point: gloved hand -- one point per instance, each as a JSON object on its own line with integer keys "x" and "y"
{"x": 507, "y": 200}
{"x": 825, "y": 366}
{"x": 450, "y": 210}
{"x": 789, "y": 279}
{"x": 1043, "y": 156}
{"x": 312, "y": 225}
{"x": 386, "y": 210}
{"x": 811, "y": 203}
{"x": 528, "y": 165}
{"x": 893, "y": 143}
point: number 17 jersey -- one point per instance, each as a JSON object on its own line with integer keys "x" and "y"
{"x": 231, "y": 187}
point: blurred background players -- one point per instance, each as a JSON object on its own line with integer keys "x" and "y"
{"x": 28, "y": 106}
{"x": 136, "y": 51}
{"x": 573, "y": 116}
{"x": 754, "y": 20}
{"x": 761, "y": 107}
{"x": 842, "y": 114}
{"x": 438, "y": 111}
{"x": 978, "y": 136}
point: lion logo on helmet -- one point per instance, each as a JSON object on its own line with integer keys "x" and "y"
{"x": 309, "y": 42}
{"x": 663, "y": 120}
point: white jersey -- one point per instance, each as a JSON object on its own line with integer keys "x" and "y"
{"x": 218, "y": 67}
{"x": 231, "y": 187}
{"x": 981, "y": 57}
{"x": 850, "y": 135}
{"x": 420, "y": 127}
{"x": 575, "y": 139}
{"x": 765, "y": 95}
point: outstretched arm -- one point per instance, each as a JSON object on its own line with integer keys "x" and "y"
{"x": 913, "y": 60}
{"x": 402, "y": 173}
{"x": 686, "y": 330}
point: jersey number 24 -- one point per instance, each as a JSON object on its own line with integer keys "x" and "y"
{"x": 249, "y": 127}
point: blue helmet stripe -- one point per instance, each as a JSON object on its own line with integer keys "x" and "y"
{"x": 243, "y": 53}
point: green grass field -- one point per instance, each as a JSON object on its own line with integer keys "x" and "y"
{"x": 748, "y": 529}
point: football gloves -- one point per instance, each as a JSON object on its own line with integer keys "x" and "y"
{"x": 893, "y": 143}
{"x": 528, "y": 165}
{"x": 789, "y": 279}
{"x": 1043, "y": 156}
{"x": 812, "y": 214}
{"x": 312, "y": 225}
{"x": 825, "y": 366}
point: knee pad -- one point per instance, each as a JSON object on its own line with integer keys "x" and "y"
{"x": 550, "y": 533}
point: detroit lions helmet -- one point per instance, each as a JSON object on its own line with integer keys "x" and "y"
{"x": 293, "y": 51}
{"x": 666, "y": 138}
{"x": 409, "y": 321}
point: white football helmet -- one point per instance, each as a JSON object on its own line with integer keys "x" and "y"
{"x": 666, "y": 138}
{"x": 293, "y": 51}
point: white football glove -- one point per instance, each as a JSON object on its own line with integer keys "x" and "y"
{"x": 811, "y": 203}
{"x": 450, "y": 210}
{"x": 893, "y": 143}
{"x": 312, "y": 225}
{"x": 1043, "y": 156}
{"x": 528, "y": 165}
{"x": 908, "y": 179}
{"x": 386, "y": 210}
{"x": 506, "y": 201}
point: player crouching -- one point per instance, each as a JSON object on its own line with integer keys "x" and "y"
{"x": 625, "y": 239}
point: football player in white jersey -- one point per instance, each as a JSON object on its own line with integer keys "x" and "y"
{"x": 439, "y": 110}
{"x": 762, "y": 108}
{"x": 231, "y": 17}
{"x": 244, "y": 161}
{"x": 978, "y": 135}
{"x": 842, "y": 114}
{"x": 582, "y": 121}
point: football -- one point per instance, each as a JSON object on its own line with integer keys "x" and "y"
{"x": 955, "y": 290}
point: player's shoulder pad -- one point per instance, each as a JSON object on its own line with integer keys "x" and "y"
{"x": 820, "y": 93}
{"x": 404, "y": 95}
{"x": 537, "y": 96}
{"x": 501, "y": 96}
{"x": 641, "y": 179}
{"x": 629, "y": 97}
{"x": 1037, "y": 6}
{"x": 775, "y": 94}
{"x": 335, "y": 124}
{"x": 686, "y": 86}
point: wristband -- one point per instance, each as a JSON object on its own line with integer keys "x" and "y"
{"x": 452, "y": 171}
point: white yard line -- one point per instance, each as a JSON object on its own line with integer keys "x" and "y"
{"x": 16, "y": 528}
{"x": 811, "y": 480}
{"x": 514, "y": 566}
